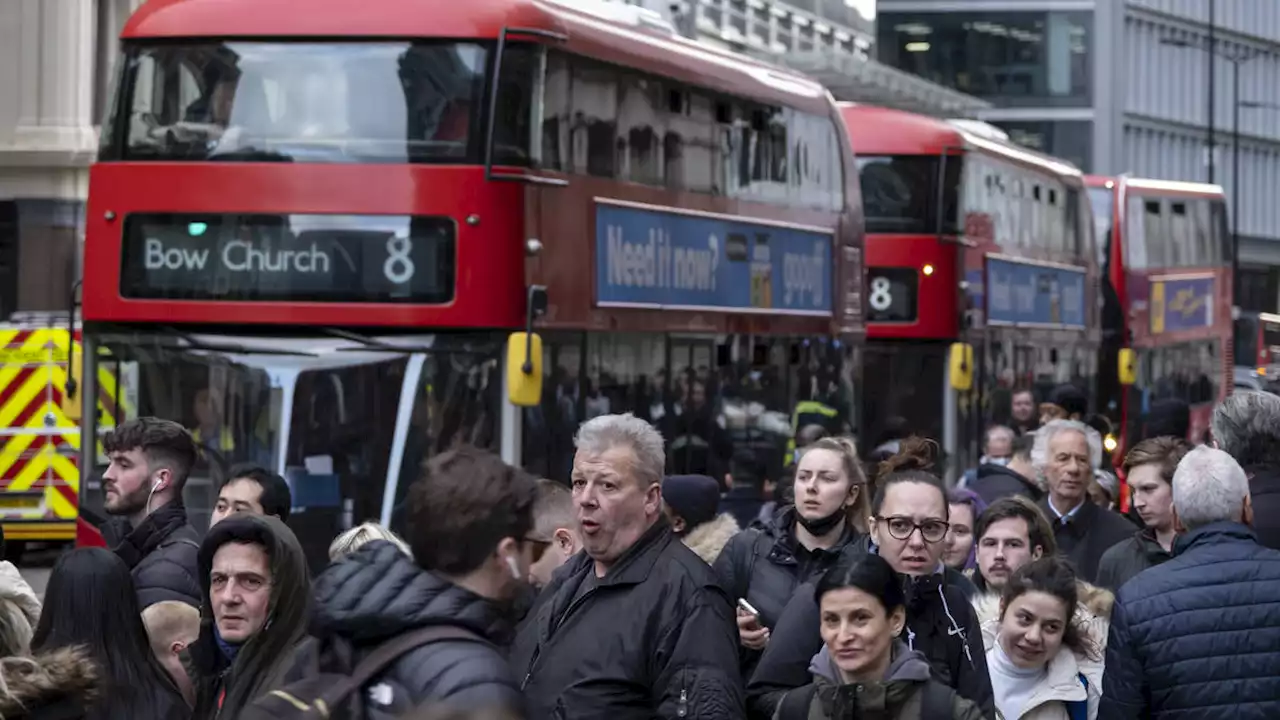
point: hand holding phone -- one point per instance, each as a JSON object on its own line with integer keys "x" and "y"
{"x": 747, "y": 607}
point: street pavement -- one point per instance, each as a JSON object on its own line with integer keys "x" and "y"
{"x": 36, "y": 565}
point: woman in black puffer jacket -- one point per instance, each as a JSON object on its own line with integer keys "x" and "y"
{"x": 764, "y": 566}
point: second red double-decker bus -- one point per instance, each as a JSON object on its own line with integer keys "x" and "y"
{"x": 312, "y": 231}
{"x": 972, "y": 240}
{"x": 1167, "y": 295}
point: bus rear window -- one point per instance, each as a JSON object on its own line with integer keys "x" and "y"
{"x": 304, "y": 102}
{"x": 900, "y": 193}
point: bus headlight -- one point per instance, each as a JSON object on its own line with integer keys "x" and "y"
{"x": 1109, "y": 442}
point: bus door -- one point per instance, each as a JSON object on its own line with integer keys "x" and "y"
{"x": 696, "y": 441}
{"x": 905, "y": 388}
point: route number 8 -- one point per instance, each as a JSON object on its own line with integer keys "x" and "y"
{"x": 399, "y": 267}
{"x": 881, "y": 294}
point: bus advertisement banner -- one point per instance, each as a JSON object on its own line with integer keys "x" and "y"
{"x": 662, "y": 258}
{"x": 1181, "y": 303}
{"x": 1021, "y": 292}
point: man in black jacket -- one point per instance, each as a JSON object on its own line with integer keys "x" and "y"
{"x": 150, "y": 460}
{"x": 634, "y": 627}
{"x": 993, "y": 481}
{"x": 1246, "y": 426}
{"x": 470, "y": 518}
{"x": 1066, "y": 453}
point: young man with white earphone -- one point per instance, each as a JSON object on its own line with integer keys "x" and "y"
{"x": 470, "y": 527}
{"x": 142, "y": 487}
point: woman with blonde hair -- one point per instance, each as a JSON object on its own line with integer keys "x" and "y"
{"x": 355, "y": 538}
{"x": 763, "y": 566}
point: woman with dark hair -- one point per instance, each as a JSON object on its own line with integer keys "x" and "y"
{"x": 1045, "y": 663}
{"x": 909, "y": 523}
{"x": 764, "y": 566}
{"x": 864, "y": 669}
{"x": 965, "y": 508}
{"x": 91, "y": 603}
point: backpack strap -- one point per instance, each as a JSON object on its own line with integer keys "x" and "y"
{"x": 388, "y": 652}
{"x": 938, "y": 700}
{"x": 1079, "y": 709}
{"x": 796, "y": 703}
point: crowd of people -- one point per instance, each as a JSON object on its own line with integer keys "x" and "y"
{"x": 870, "y": 590}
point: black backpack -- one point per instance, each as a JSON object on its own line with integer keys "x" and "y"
{"x": 314, "y": 691}
{"x": 936, "y": 704}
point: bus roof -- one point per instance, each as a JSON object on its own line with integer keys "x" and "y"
{"x": 614, "y": 32}
{"x": 885, "y": 131}
{"x": 1149, "y": 186}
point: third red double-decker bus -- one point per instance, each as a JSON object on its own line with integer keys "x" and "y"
{"x": 1257, "y": 349}
{"x": 1167, "y": 295}
{"x": 972, "y": 240}
{"x": 312, "y": 230}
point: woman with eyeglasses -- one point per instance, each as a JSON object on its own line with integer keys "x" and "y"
{"x": 865, "y": 669}
{"x": 908, "y": 524}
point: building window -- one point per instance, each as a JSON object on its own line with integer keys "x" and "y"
{"x": 1071, "y": 140}
{"x": 1020, "y": 59}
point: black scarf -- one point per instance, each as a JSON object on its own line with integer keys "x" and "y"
{"x": 151, "y": 532}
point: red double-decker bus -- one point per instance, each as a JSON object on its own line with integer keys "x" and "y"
{"x": 1167, "y": 314}
{"x": 313, "y": 230}
{"x": 972, "y": 240}
{"x": 1257, "y": 349}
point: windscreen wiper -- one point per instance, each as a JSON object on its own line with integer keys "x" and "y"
{"x": 193, "y": 344}
{"x": 250, "y": 154}
{"x": 372, "y": 343}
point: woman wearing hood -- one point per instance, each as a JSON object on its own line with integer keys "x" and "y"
{"x": 246, "y": 643}
{"x": 1046, "y": 663}
{"x": 764, "y": 566}
{"x": 909, "y": 523}
{"x": 864, "y": 669}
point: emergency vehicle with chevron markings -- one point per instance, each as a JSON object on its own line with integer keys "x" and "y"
{"x": 39, "y": 438}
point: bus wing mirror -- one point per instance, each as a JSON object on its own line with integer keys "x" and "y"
{"x": 71, "y": 403}
{"x": 961, "y": 367}
{"x": 1128, "y": 367}
{"x": 524, "y": 354}
{"x": 524, "y": 369}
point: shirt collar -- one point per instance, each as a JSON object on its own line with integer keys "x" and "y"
{"x": 1070, "y": 514}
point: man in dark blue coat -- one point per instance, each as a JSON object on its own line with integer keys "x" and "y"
{"x": 1199, "y": 636}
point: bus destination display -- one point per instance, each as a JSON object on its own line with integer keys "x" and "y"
{"x": 288, "y": 258}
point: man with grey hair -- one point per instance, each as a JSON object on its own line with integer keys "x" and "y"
{"x": 1247, "y": 427}
{"x": 1199, "y": 635}
{"x": 635, "y": 625}
{"x": 1065, "y": 454}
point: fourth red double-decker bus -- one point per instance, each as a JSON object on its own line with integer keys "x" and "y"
{"x": 315, "y": 230}
{"x": 979, "y": 273}
{"x": 1167, "y": 296}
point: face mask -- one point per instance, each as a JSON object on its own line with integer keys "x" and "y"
{"x": 823, "y": 525}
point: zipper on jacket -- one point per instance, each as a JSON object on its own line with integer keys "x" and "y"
{"x": 682, "y": 707}
{"x": 555, "y": 625}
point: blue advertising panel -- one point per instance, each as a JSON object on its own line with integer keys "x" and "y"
{"x": 1181, "y": 304}
{"x": 659, "y": 259}
{"x": 1022, "y": 293}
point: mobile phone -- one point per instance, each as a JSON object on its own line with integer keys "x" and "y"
{"x": 742, "y": 603}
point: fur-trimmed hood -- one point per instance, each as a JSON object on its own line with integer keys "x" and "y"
{"x": 1093, "y": 613}
{"x": 66, "y": 675}
{"x": 19, "y": 611}
{"x": 709, "y": 538}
